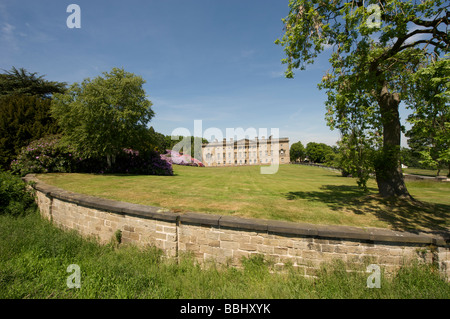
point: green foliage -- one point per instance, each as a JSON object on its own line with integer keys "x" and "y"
{"x": 171, "y": 141}
{"x": 139, "y": 163}
{"x": 20, "y": 82}
{"x": 355, "y": 157}
{"x": 318, "y": 152}
{"x": 118, "y": 236}
{"x": 371, "y": 66}
{"x": 46, "y": 155}
{"x": 15, "y": 199}
{"x": 410, "y": 158}
{"x": 52, "y": 154}
{"x": 102, "y": 116}
{"x": 24, "y": 111}
{"x": 430, "y": 97}
{"x": 297, "y": 152}
{"x": 156, "y": 141}
{"x": 161, "y": 143}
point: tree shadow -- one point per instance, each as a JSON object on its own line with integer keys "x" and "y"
{"x": 401, "y": 214}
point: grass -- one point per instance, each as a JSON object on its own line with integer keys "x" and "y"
{"x": 425, "y": 172}
{"x": 34, "y": 256}
{"x": 295, "y": 193}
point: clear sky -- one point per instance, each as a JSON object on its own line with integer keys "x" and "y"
{"x": 209, "y": 60}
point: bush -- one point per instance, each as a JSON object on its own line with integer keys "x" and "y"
{"x": 15, "y": 199}
{"x": 46, "y": 155}
{"x": 51, "y": 155}
{"x": 142, "y": 163}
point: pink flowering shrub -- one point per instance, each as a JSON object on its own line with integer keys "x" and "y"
{"x": 181, "y": 159}
{"x": 50, "y": 155}
{"x": 46, "y": 155}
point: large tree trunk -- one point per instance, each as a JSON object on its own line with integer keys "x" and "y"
{"x": 388, "y": 169}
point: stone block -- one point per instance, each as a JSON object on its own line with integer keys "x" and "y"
{"x": 280, "y": 250}
{"x": 328, "y": 248}
{"x": 265, "y": 249}
{"x": 247, "y": 247}
{"x": 239, "y": 254}
{"x": 256, "y": 240}
{"x": 229, "y": 245}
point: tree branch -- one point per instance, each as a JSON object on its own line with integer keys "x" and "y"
{"x": 433, "y": 23}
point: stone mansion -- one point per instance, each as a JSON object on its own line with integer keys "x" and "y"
{"x": 246, "y": 152}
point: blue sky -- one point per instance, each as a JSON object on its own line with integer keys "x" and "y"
{"x": 213, "y": 60}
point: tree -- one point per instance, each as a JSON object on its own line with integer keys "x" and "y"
{"x": 430, "y": 97}
{"x": 297, "y": 152}
{"x": 102, "y": 116}
{"x": 410, "y": 157}
{"x": 22, "y": 120}
{"x": 20, "y": 82}
{"x": 318, "y": 152}
{"x": 170, "y": 142}
{"x": 24, "y": 111}
{"x": 355, "y": 157}
{"x": 376, "y": 45}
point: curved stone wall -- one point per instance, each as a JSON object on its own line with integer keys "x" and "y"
{"x": 226, "y": 239}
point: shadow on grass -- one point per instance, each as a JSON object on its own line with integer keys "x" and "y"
{"x": 401, "y": 214}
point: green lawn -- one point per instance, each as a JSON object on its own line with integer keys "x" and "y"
{"x": 425, "y": 172}
{"x": 295, "y": 193}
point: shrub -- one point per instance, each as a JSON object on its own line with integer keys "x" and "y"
{"x": 51, "y": 155}
{"x": 142, "y": 163}
{"x": 46, "y": 155}
{"x": 15, "y": 199}
{"x": 177, "y": 158}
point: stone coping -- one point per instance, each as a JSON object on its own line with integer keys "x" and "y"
{"x": 248, "y": 224}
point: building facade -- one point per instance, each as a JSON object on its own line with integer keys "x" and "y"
{"x": 246, "y": 152}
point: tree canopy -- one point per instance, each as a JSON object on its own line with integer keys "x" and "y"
{"x": 376, "y": 47}
{"x": 297, "y": 152}
{"x": 20, "y": 82}
{"x": 104, "y": 115}
{"x": 430, "y": 97}
{"x": 318, "y": 152}
{"x": 24, "y": 111}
